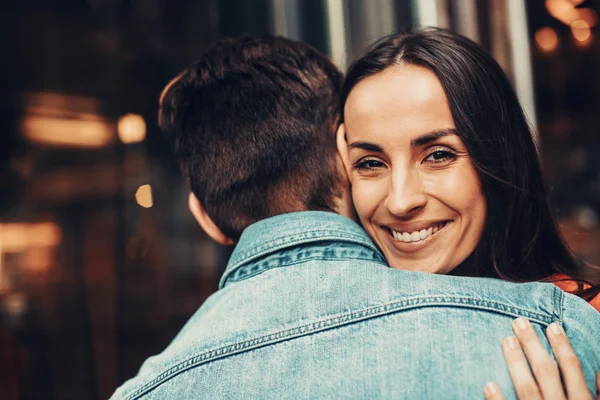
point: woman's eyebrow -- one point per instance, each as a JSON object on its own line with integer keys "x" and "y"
{"x": 366, "y": 146}
{"x": 431, "y": 137}
{"x": 416, "y": 142}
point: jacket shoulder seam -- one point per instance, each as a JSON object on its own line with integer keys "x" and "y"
{"x": 335, "y": 321}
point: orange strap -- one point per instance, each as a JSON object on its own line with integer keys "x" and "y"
{"x": 570, "y": 286}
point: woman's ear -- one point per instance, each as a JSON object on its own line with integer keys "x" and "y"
{"x": 342, "y": 148}
{"x": 206, "y": 223}
{"x": 343, "y": 205}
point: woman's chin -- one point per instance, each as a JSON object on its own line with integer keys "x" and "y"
{"x": 420, "y": 266}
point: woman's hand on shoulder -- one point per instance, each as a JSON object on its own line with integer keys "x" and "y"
{"x": 526, "y": 350}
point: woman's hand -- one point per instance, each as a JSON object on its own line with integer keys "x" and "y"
{"x": 546, "y": 380}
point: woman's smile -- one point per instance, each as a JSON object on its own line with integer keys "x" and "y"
{"x": 417, "y": 234}
{"x": 415, "y": 241}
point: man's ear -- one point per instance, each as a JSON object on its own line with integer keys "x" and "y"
{"x": 206, "y": 223}
{"x": 342, "y": 148}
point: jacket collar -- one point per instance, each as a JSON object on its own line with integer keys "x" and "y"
{"x": 293, "y": 229}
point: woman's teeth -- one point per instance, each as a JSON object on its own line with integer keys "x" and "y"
{"x": 417, "y": 235}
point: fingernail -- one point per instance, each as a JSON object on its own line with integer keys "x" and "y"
{"x": 556, "y": 329}
{"x": 511, "y": 342}
{"x": 521, "y": 324}
{"x": 489, "y": 389}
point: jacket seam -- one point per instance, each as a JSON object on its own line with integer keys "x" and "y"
{"x": 320, "y": 257}
{"x": 310, "y": 235}
{"x": 561, "y": 304}
{"x": 299, "y": 239}
{"x": 335, "y": 322}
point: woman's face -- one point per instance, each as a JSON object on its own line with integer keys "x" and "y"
{"x": 414, "y": 186}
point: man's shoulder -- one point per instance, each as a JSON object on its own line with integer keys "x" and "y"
{"x": 318, "y": 296}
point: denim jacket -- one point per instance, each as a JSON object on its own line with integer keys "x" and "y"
{"x": 307, "y": 308}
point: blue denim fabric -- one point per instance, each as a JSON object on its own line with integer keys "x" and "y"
{"x": 307, "y": 308}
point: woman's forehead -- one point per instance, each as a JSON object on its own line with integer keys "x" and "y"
{"x": 397, "y": 95}
{"x": 399, "y": 103}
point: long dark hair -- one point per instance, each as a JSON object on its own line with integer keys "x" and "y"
{"x": 521, "y": 241}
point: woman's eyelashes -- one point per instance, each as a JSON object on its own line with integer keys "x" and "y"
{"x": 440, "y": 155}
{"x": 368, "y": 164}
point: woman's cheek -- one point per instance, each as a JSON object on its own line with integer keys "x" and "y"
{"x": 367, "y": 194}
{"x": 452, "y": 186}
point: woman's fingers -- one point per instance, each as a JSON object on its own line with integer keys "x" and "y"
{"x": 570, "y": 366}
{"x": 523, "y": 381}
{"x": 492, "y": 391}
{"x": 527, "y": 351}
{"x": 545, "y": 370}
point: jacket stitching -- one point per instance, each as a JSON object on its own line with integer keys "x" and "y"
{"x": 561, "y": 299}
{"x": 299, "y": 239}
{"x": 233, "y": 279}
{"x": 290, "y": 240}
{"x": 334, "y": 322}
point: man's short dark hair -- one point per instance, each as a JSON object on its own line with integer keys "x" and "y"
{"x": 252, "y": 124}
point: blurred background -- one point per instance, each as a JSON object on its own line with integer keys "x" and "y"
{"x": 100, "y": 261}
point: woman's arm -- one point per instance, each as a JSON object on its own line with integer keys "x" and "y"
{"x": 545, "y": 383}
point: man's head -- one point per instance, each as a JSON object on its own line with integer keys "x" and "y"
{"x": 252, "y": 124}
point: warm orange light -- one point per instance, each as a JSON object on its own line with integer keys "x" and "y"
{"x": 56, "y": 131}
{"x": 15, "y": 303}
{"x": 562, "y": 10}
{"x": 546, "y": 39}
{"x": 17, "y": 237}
{"x": 588, "y": 15}
{"x": 131, "y": 128}
{"x": 58, "y": 119}
{"x": 38, "y": 259}
{"x": 581, "y": 30}
{"x": 143, "y": 196}
{"x": 3, "y": 281}
{"x": 566, "y": 12}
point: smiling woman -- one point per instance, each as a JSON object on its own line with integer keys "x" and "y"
{"x": 444, "y": 171}
{"x": 415, "y": 188}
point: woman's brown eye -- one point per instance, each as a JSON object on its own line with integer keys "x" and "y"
{"x": 369, "y": 164}
{"x": 440, "y": 155}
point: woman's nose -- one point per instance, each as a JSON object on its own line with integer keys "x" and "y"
{"x": 405, "y": 195}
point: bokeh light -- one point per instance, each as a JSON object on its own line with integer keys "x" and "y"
{"x": 546, "y": 39}
{"x": 58, "y": 131}
{"x": 562, "y": 10}
{"x": 143, "y": 196}
{"x": 131, "y": 128}
{"x": 567, "y": 12}
{"x": 581, "y": 30}
{"x": 588, "y": 15}
{"x": 17, "y": 237}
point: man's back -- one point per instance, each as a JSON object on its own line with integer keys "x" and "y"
{"x": 308, "y": 309}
